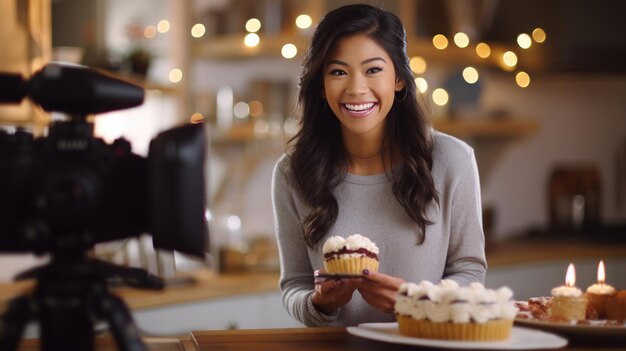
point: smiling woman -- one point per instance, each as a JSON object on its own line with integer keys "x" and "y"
{"x": 360, "y": 83}
{"x": 366, "y": 160}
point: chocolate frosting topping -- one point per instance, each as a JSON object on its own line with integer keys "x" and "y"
{"x": 344, "y": 251}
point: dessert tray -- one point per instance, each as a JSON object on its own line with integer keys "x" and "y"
{"x": 588, "y": 328}
{"x": 521, "y": 338}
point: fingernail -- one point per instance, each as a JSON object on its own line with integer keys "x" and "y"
{"x": 366, "y": 272}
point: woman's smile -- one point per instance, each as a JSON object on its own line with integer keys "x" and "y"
{"x": 360, "y": 109}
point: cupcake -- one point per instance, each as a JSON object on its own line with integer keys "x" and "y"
{"x": 449, "y": 312}
{"x": 350, "y": 255}
{"x": 568, "y": 304}
{"x": 598, "y": 296}
{"x": 616, "y": 306}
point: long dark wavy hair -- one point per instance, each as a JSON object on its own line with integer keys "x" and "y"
{"x": 319, "y": 161}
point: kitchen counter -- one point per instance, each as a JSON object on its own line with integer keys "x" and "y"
{"x": 536, "y": 249}
{"x": 187, "y": 287}
{"x": 209, "y": 285}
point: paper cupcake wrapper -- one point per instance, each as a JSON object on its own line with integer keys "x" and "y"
{"x": 354, "y": 265}
{"x": 489, "y": 331}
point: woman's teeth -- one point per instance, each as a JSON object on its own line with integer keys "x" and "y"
{"x": 359, "y": 107}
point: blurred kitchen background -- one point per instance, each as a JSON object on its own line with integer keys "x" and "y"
{"x": 537, "y": 87}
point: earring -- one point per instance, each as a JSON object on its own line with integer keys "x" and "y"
{"x": 395, "y": 97}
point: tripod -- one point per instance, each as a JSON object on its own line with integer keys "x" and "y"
{"x": 70, "y": 295}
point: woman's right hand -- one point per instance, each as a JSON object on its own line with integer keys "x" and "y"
{"x": 331, "y": 294}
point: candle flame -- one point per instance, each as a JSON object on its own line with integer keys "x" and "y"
{"x": 570, "y": 276}
{"x": 601, "y": 273}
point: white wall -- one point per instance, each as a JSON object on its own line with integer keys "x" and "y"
{"x": 582, "y": 121}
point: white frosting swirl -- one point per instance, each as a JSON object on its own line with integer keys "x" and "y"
{"x": 446, "y": 301}
{"x": 352, "y": 242}
{"x": 568, "y": 291}
{"x": 601, "y": 289}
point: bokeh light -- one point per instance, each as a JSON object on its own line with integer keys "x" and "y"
{"x": 198, "y": 30}
{"x": 440, "y": 41}
{"x": 251, "y": 40}
{"x": 289, "y": 51}
{"x": 253, "y": 25}
{"x": 418, "y": 64}
{"x": 304, "y": 21}
{"x": 440, "y": 96}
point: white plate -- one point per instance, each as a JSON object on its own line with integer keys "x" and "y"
{"x": 521, "y": 338}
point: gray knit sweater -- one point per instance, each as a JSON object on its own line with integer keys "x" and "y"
{"x": 453, "y": 247}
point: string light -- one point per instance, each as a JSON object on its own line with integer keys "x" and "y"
{"x": 470, "y": 74}
{"x": 440, "y": 41}
{"x": 251, "y": 40}
{"x": 509, "y": 58}
{"x": 524, "y": 41}
{"x": 539, "y": 35}
{"x": 440, "y": 96}
{"x": 418, "y": 64}
{"x": 289, "y": 51}
{"x": 304, "y": 21}
{"x": 163, "y": 26}
{"x": 522, "y": 79}
{"x": 461, "y": 40}
{"x": 253, "y": 25}
{"x": 176, "y": 75}
{"x": 198, "y": 30}
{"x": 483, "y": 50}
{"x": 422, "y": 84}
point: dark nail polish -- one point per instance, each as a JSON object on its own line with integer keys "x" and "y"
{"x": 366, "y": 272}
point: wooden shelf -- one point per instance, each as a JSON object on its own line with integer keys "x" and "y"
{"x": 231, "y": 46}
{"x": 142, "y": 82}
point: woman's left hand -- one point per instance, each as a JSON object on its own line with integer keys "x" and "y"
{"x": 379, "y": 290}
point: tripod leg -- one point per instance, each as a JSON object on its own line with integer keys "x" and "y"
{"x": 113, "y": 309}
{"x": 12, "y": 324}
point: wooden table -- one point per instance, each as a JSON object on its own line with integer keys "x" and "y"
{"x": 300, "y": 339}
{"x": 325, "y": 339}
{"x": 106, "y": 343}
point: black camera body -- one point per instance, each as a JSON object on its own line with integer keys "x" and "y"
{"x": 63, "y": 193}
{"x": 70, "y": 190}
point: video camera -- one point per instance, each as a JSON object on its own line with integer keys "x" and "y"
{"x": 70, "y": 190}
{"x": 66, "y": 192}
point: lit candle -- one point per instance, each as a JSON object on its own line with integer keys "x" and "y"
{"x": 568, "y": 302}
{"x": 598, "y": 295}
{"x": 569, "y": 289}
{"x": 601, "y": 288}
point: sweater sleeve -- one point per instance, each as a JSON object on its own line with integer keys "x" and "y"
{"x": 466, "y": 260}
{"x": 296, "y": 278}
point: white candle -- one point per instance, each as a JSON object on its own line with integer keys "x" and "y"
{"x": 569, "y": 289}
{"x": 601, "y": 288}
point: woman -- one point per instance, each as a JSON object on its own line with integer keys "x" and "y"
{"x": 366, "y": 160}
